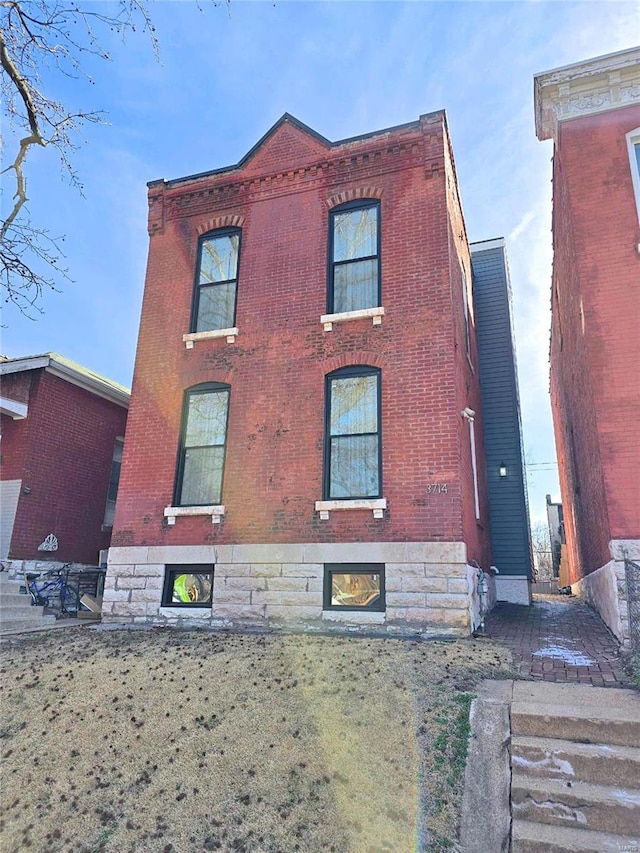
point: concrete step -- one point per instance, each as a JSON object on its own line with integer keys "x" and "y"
{"x": 600, "y": 764}
{"x": 7, "y": 587}
{"x": 24, "y": 611}
{"x": 14, "y": 599}
{"x": 617, "y": 723}
{"x": 578, "y": 804}
{"x": 541, "y": 838}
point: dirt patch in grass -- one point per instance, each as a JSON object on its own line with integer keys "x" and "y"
{"x": 173, "y": 742}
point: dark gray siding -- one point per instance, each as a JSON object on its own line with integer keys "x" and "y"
{"x": 508, "y": 509}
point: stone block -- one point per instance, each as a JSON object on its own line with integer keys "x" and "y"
{"x": 239, "y": 612}
{"x": 127, "y": 556}
{"x": 392, "y": 583}
{"x": 455, "y": 585}
{"x": 149, "y": 570}
{"x": 120, "y": 570}
{"x": 268, "y": 553}
{"x": 129, "y": 608}
{"x": 405, "y": 569}
{"x": 116, "y": 595}
{"x": 278, "y": 612}
{"x": 441, "y": 600}
{"x": 245, "y": 583}
{"x": 315, "y": 584}
{"x": 266, "y": 570}
{"x": 282, "y": 598}
{"x": 155, "y": 583}
{"x": 177, "y": 554}
{"x": 406, "y": 599}
{"x": 303, "y": 570}
{"x": 130, "y": 583}
{"x": 231, "y": 596}
{"x": 146, "y": 595}
{"x": 287, "y": 584}
{"x": 354, "y": 552}
{"x": 450, "y": 617}
{"x": 366, "y": 617}
{"x": 413, "y": 584}
{"x": 436, "y": 552}
{"x": 233, "y": 570}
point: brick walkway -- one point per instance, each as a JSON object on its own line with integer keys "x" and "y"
{"x": 558, "y": 639}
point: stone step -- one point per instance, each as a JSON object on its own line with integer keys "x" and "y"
{"x": 530, "y": 837}
{"x": 598, "y": 763}
{"x": 23, "y": 612}
{"x": 578, "y": 804}
{"x": 14, "y": 599}
{"x": 617, "y": 723}
{"x": 9, "y": 586}
{"x": 18, "y": 626}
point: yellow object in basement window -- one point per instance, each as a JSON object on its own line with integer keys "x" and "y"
{"x": 191, "y": 589}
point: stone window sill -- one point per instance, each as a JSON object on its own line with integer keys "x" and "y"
{"x": 376, "y": 505}
{"x": 172, "y": 512}
{"x": 192, "y": 337}
{"x": 376, "y": 315}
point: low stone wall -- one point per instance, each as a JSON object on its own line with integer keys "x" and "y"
{"x": 427, "y": 586}
{"x": 606, "y": 591}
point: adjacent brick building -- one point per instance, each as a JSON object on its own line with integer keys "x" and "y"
{"x": 304, "y": 440}
{"x": 592, "y": 112}
{"x": 62, "y": 433}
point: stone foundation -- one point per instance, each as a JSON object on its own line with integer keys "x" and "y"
{"x": 428, "y": 586}
{"x": 606, "y": 588}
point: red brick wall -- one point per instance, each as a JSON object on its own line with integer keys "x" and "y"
{"x": 276, "y": 368}
{"x": 16, "y": 387}
{"x": 62, "y": 452}
{"x": 595, "y": 349}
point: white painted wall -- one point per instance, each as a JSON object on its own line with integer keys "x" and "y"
{"x": 9, "y": 497}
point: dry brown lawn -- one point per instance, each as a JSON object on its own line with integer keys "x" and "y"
{"x": 181, "y": 742}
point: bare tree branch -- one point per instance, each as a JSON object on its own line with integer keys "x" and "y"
{"x": 39, "y": 35}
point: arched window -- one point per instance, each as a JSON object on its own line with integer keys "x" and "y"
{"x": 353, "y": 447}
{"x": 354, "y": 257}
{"x": 216, "y": 285}
{"x": 202, "y": 445}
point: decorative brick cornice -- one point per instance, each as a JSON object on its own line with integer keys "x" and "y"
{"x": 586, "y": 88}
{"x": 198, "y": 198}
{"x": 228, "y": 221}
{"x": 354, "y": 195}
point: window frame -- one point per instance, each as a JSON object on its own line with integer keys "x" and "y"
{"x": 353, "y": 569}
{"x": 203, "y": 388}
{"x": 172, "y": 569}
{"x": 110, "y": 504}
{"x": 354, "y": 370}
{"x": 633, "y": 146}
{"x": 197, "y": 286}
{"x": 359, "y": 204}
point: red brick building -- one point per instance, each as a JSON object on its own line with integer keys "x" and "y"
{"x": 62, "y": 433}
{"x": 303, "y": 443}
{"x": 592, "y": 112}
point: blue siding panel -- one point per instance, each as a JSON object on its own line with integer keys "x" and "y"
{"x": 508, "y": 507}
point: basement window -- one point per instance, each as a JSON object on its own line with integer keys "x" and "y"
{"x": 188, "y": 586}
{"x": 354, "y": 586}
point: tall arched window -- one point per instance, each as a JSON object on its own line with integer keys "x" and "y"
{"x": 354, "y": 257}
{"x": 216, "y": 286}
{"x": 353, "y": 447}
{"x": 202, "y": 445}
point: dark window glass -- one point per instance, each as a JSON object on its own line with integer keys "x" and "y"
{"x": 188, "y": 586}
{"x": 637, "y": 150}
{"x": 352, "y": 452}
{"x": 217, "y": 282}
{"x": 355, "y": 263}
{"x": 203, "y": 446}
{"x": 354, "y": 586}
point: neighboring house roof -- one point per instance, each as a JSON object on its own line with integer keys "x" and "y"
{"x": 68, "y": 370}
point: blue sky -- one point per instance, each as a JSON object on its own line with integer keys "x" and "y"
{"x": 227, "y": 74}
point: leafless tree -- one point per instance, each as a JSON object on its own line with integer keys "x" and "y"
{"x": 542, "y": 556}
{"x": 45, "y": 40}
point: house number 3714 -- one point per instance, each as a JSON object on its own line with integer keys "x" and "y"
{"x": 437, "y": 489}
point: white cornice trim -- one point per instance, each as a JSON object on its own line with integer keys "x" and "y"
{"x": 16, "y": 411}
{"x": 71, "y": 372}
{"x": 486, "y": 245}
{"x": 586, "y": 88}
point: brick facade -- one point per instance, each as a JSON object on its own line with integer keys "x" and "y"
{"x": 281, "y": 195}
{"x": 595, "y": 348}
{"x": 60, "y": 454}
